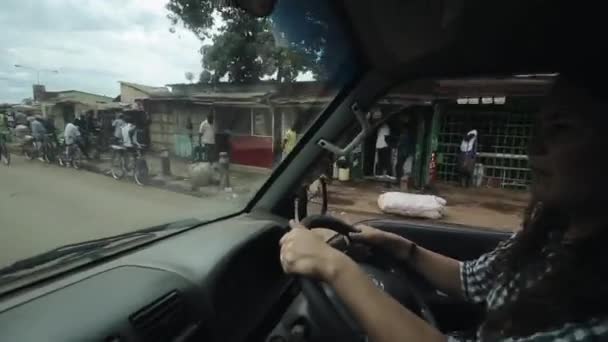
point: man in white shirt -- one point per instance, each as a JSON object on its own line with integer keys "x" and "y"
{"x": 128, "y": 135}
{"x": 206, "y": 133}
{"x": 71, "y": 136}
{"x": 117, "y": 125}
{"x": 383, "y": 165}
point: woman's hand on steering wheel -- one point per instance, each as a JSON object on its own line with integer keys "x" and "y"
{"x": 393, "y": 244}
{"x": 306, "y": 253}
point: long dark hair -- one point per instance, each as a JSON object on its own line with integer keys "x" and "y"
{"x": 574, "y": 289}
{"x": 574, "y": 282}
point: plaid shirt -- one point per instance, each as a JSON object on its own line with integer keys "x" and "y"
{"x": 480, "y": 284}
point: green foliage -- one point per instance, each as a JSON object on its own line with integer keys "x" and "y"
{"x": 244, "y": 48}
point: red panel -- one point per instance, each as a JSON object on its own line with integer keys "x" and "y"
{"x": 251, "y": 150}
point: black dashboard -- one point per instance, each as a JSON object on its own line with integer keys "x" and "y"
{"x": 220, "y": 282}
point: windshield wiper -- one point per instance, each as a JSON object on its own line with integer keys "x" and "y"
{"x": 92, "y": 249}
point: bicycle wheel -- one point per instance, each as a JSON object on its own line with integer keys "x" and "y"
{"x": 140, "y": 174}
{"x": 94, "y": 153}
{"x": 118, "y": 165}
{"x": 28, "y": 153}
{"x": 5, "y": 155}
{"x": 49, "y": 153}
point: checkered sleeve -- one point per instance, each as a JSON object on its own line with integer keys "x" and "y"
{"x": 477, "y": 276}
{"x": 593, "y": 330}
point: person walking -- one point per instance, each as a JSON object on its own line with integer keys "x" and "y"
{"x": 206, "y": 134}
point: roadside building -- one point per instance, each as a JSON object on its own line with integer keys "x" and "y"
{"x": 251, "y": 121}
{"x": 503, "y": 112}
{"x": 65, "y": 105}
{"x": 131, "y": 94}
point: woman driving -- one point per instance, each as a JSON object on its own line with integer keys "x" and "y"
{"x": 549, "y": 282}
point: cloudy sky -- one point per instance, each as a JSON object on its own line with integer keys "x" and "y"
{"x": 93, "y": 44}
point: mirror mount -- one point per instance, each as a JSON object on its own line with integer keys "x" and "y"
{"x": 365, "y": 129}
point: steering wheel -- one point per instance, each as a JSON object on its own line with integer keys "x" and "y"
{"x": 386, "y": 272}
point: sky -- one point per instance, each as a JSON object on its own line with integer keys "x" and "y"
{"x": 92, "y": 44}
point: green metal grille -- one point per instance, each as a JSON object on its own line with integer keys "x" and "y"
{"x": 502, "y": 145}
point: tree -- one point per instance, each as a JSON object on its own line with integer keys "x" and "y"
{"x": 245, "y": 50}
{"x": 205, "y": 77}
{"x": 189, "y": 76}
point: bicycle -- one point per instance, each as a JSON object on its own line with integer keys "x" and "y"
{"x": 49, "y": 148}
{"x": 70, "y": 155}
{"x": 127, "y": 160}
{"x": 5, "y": 155}
{"x": 29, "y": 148}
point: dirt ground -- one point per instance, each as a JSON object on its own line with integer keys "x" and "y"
{"x": 484, "y": 208}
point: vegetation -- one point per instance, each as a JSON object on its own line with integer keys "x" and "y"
{"x": 247, "y": 49}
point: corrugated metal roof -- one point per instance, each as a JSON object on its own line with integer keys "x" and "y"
{"x": 149, "y": 90}
{"x": 232, "y": 96}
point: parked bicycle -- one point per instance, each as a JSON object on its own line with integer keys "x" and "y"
{"x": 70, "y": 155}
{"x": 129, "y": 161}
{"x": 33, "y": 149}
{"x": 50, "y": 148}
{"x": 5, "y": 155}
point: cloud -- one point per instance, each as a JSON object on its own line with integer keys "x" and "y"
{"x": 93, "y": 44}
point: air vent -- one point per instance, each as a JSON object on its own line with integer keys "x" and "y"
{"x": 162, "y": 320}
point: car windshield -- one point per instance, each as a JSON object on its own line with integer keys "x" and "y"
{"x": 122, "y": 117}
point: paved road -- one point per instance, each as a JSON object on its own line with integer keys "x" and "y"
{"x": 46, "y": 206}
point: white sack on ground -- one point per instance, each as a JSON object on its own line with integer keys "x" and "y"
{"x": 412, "y": 205}
{"x": 202, "y": 174}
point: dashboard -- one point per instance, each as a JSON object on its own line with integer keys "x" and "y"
{"x": 219, "y": 282}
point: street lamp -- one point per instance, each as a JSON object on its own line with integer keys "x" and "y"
{"x": 38, "y": 71}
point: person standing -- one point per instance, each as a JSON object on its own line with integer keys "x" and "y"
{"x": 128, "y": 134}
{"x": 206, "y": 134}
{"x": 49, "y": 125}
{"x": 194, "y": 150}
{"x": 117, "y": 126}
{"x": 383, "y": 151}
{"x": 81, "y": 123}
{"x": 289, "y": 140}
{"x": 71, "y": 136}
{"x": 466, "y": 158}
{"x": 39, "y": 134}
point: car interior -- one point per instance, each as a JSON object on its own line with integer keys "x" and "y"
{"x": 222, "y": 280}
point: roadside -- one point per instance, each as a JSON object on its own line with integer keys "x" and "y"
{"x": 486, "y": 208}
{"x": 243, "y": 180}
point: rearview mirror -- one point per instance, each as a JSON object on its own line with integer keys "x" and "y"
{"x": 258, "y": 8}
